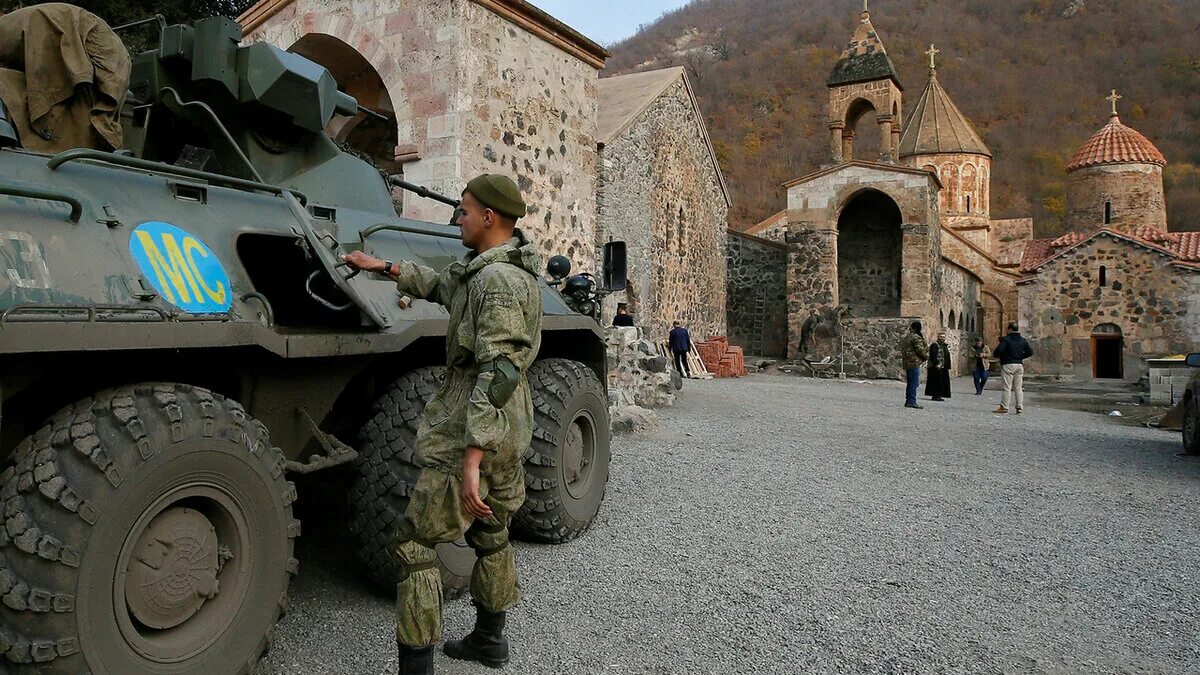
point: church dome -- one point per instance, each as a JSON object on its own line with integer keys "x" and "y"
{"x": 937, "y": 126}
{"x": 1116, "y": 144}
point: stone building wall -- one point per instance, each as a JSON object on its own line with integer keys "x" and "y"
{"x": 962, "y": 175}
{"x": 1007, "y": 238}
{"x": 661, "y": 194}
{"x": 473, "y": 92}
{"x": 528, "y": 109}
{"x": 958, "y": 299}
{"x": 811, "y": 280}
{"x": 757, "y": 295}
{"x": 1135, "y": 192}
{"x": 997, "y": 292}
{"x": 1155, "y": 304}
{"x": 872, "y": 347}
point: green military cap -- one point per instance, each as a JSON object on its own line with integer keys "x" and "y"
{"x": 498, "y": 193}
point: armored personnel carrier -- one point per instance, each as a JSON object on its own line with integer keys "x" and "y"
{"x": 179, "y": 339}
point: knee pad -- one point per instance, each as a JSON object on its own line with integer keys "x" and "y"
{"x": 487, "y": 539}
{"x": 414, "y": 556}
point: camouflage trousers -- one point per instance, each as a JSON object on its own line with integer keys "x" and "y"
{"x": 435, "y": 515}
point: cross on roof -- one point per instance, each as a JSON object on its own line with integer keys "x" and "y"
{"x": 932, "y": 52}
{"x": 1114, "y": 97}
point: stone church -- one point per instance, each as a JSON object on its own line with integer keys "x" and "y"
{"x": 462, "y": 87}
{"x": 1118, "y": 287}
{"x": 884, "y": 240}
{"x": 662, "y": 193}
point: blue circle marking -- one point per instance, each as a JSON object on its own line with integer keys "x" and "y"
{"x": 182, "y": 268}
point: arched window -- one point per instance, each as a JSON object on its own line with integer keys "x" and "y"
{"x": 952, "y": 324}
{"x": 1107, "y": 214}
{"x": 942, "y": 318}
{"x": 1103, "y": 276}
{"x": 968, "y": 203}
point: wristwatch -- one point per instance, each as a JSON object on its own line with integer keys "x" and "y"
{"x": 387, "y": 268}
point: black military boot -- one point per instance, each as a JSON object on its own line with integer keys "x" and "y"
{"x": 485, "y": 644}
{"x": 415, "y": 660}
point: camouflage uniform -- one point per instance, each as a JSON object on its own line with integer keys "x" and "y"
{"x": 493, "y": 337}
{"x": 913, "y": 350}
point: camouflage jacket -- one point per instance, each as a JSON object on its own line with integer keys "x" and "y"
{"x": 494, "y": 333}
{"x": 913, "y": 350}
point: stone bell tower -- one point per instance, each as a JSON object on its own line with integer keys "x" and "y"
{"x": 864, "y": 81}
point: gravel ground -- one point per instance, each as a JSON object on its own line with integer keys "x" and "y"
{"x": 782, "y": 524}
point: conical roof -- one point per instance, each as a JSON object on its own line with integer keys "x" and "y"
{"x": 1116, "y": 143}
{"x": 864, "y": 58}
{"x": 936, "y": 125}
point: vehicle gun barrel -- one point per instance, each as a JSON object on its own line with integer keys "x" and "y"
{"x": 423, "y": 191}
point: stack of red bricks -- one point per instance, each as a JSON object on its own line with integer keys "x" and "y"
{"x": 721, "y": 359}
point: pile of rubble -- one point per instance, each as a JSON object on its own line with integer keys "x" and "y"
{"x": 638, "y": 380}
{"x": 720, "y": 358}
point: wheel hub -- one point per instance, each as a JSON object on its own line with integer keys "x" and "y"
{"x": 577, "y": 455}
{"x": 173, "y": 570}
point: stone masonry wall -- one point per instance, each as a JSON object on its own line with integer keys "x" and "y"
{"x": 811, "y": 276}
{"x": 528, "y": 109}
{"x": 661, "y": 194}
{"x": 958, "y": 298}
{"x": 757, "y": 295}
{"x": 872, "y": 347}
{"x": 473, "y": 92}
{"x": 1155, "y": 304}
{"x": 1135, "y": 191}
{"x": 869, "y": 268}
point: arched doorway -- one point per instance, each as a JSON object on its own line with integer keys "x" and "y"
{"x": 371, "y": 135}
{"x": 1108, "y": 352}
{"x": 869, "y": 255}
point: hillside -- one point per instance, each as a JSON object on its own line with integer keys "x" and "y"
{"x": 1030, "y": 74}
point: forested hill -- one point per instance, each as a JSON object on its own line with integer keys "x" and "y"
{"x": 1032, "y": 75}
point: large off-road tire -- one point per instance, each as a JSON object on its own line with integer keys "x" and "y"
{"x": 387, "y": 472}
{"x": 148, "y": 529}
{"x": 566, "y": 466}
{"x": 1191, "y": 427}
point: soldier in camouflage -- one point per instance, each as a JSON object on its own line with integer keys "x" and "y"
{"x": 475, "y": 430}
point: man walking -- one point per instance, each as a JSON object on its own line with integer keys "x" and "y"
{"x": 979, "y": 370}
{"x": 476, "y": 428}
{"x": 913, "y": 353}
{"x": 680, "y": 342}
{"x": 937, "y": 384}
{"x": 1012, "y": 350}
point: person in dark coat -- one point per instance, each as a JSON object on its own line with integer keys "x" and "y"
{"x": 937, "y": 386}
{"x": 1012, "y": 351}
{"x": 979, "y": 369}
{"x": 623, "y": 319}
{"x": 680, "y": 342}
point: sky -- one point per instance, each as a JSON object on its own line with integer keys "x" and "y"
{"x": 607, "y": 21}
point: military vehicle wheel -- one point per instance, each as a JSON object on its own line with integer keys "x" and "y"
{"x": 148, "y": 529}
{"x": 387, "y": 472}
{"x": 1191, "y": 427}
{"x": 566, "y": 466}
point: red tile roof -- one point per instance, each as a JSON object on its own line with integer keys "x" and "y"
{"x": 1116, "y": 143}
{"x": 1183, "y": 246}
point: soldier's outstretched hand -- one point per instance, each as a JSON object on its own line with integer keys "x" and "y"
{"x": 362, "y": 261}
{"x": 470, "y": 484}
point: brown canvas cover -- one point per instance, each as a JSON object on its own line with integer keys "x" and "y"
{"x": 63, "y": 78}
